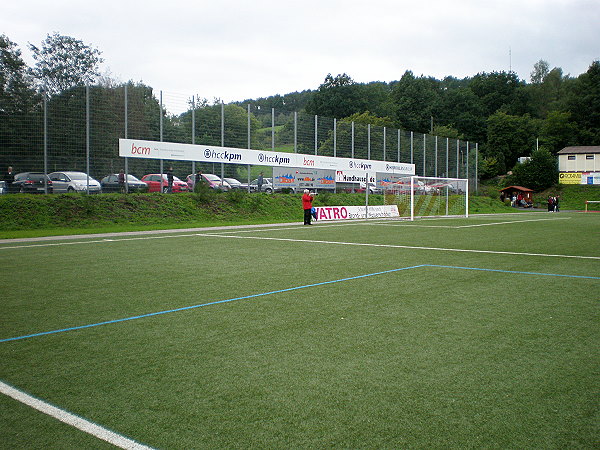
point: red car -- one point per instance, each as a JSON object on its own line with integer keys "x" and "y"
{"x": 158, "y": 183}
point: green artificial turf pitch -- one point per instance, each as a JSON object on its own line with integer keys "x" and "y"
{"x": 478, "y": 332}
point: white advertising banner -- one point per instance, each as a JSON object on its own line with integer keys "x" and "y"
{"x": 356, "y": 212}
{"x": 134, "y": 148}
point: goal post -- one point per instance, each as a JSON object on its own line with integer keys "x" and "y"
{"x": 591, "y": 201}
{"x": 418, "y": 196}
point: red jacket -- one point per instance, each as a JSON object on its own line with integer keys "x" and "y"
{"x": 307, "y": 201}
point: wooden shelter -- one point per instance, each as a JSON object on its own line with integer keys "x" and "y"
{"x": 524, "y": 193}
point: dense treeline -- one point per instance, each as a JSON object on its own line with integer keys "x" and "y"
{"x": 507, "y": 116}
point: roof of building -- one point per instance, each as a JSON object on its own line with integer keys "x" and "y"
{"x": 580, "y": 149}
{"x": 516, "y": 188}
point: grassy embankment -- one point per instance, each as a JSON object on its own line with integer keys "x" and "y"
{"x": 24, "y": 215}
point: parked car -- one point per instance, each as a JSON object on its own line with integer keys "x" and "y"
{"x": 267, "y": 185}
{"x": 74, "y": 182}
{"x": 158, "y": 183}
{"x": 236, "y": 184}
{"x": 31, "y": 183}
{"x": 110, "y": 183}
{"x": 373, "y": 189}
{"x": 213, "y": 181}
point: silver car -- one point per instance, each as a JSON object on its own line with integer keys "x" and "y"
{"x": 74, "y": 182}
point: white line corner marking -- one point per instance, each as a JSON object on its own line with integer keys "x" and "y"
{"x": 71, "y": 419}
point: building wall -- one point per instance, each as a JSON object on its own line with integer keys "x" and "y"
{"x": 580, "y": 162}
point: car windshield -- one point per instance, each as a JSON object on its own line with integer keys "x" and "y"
{"x": 131, "y": 178}
{"x": 232, "y": 181}
{"x": 212, "y": 177}
{"x": 77, "y": 176}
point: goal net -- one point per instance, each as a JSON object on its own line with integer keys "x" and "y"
{"x": 428, "y": 196}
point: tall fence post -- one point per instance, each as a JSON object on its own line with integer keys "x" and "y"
{"x": 161, "y": 139}
{"x": 193, "y": 132}
{"x": 398, "y": 144}
{"x": 436, "y": 156}
{"x": 87, "y": 138}
{"x": 476, "y": 168}
{"x": 334, "y": 137}
{"x": 295, "y": 131}
{"x": 352, "y": 139}
{"x": 457, "y": 165}
{"x": 369, "y": 141}
{"x": 273, "y": 129}
{"x": 222, "y": 139}
{"x": 126, "y": 100}
{"x": 412, "y": 147}
{"x": 45, "y": 143}
{"x": 424, "y": 154}
{"x": 316, "y": 133}
{"x": 384, "y": 129}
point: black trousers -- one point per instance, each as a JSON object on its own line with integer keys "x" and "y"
{"x": 307, "y": 217}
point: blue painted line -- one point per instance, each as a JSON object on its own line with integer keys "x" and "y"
{"x": 514, "y": 272}
{"x": 185, "y": 308}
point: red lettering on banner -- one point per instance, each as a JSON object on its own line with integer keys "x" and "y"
{"x": 309, "y": 162}
{"x": 139, "y": 150}
{"x": 344, "y": 213}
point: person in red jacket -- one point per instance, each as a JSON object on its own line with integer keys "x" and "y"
{"x": 307, "y": 200}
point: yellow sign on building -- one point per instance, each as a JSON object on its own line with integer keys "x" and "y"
{"x": 569, "y": 178}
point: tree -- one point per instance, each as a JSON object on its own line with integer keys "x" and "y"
{"x": 558, "y": 131}
{"x": 584, "y": 105}
{"x": 415, "y": 102}
{"x": 540, "y": 71}
{"x": 63, "y": 62}
{"x": 16, "y": 86}
{"x": 511, "y": 136}
{"x": 539, "y": 173}
{"x": 19, "y": 106}
{"x": 498, "y": 90}
{"x": 338, "y": 97}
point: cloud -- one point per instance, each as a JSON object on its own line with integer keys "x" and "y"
{"x": 236, "y": 50}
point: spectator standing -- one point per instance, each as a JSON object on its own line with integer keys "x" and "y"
{"x": 307, "y": 199}
{"x": 556, "y": 207}
{"x": 260, "y": 182}
{"x": 121, "y": 179}
{"x": 170, "y": 180}
{"x": 8, "y": 179}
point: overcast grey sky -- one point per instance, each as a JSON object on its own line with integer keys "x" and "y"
{"x": 240, "y": 49}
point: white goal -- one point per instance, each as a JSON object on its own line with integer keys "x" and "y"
{"x": 428, "y": 196}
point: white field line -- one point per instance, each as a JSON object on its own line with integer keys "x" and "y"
{"x": 71, "y": 419}
{"x": 141, "y": 238}
{"x": 361, "y": 244}
{"x": 508, "y": 222}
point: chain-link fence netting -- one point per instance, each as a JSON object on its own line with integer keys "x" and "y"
{"x": 79, "y": 130}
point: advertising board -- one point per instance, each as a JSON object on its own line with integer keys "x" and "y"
{"x": 299, "y": 179}
{"x": 356, "y": 212}
{"x": 134, "y": 148}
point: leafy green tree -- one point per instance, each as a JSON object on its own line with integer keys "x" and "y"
{"x": 539, "y": 173}
{"x": 584, "y": 105}
{"x": 415, "y": 101}
{"x": 511, "y": 136}
{"x": 17, "y": 94}
{"x": 558, "y": 131}
{"x": 63, "y": 62}
{"x": 540, "y": 71}
{"x": 462, "y": 110}
{"x": 20, "y": 110}
{"x": 498, "y": 91}
{"x": 338, "y": 97}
